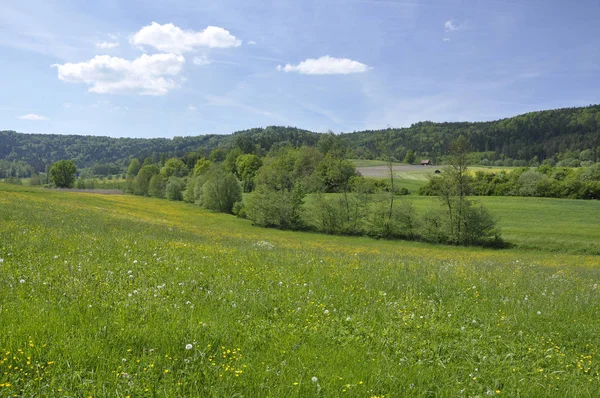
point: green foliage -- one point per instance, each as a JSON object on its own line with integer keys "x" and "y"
{"x": 141, "y": 183}
{"x": 174, "y": 167}
{"x": 157, "y": 186}
{"x": 202, "y": 166}
{"x": 343, "y": 215}
{"x": 400, "y": 223}
{"x": 175, "y": 188}
{"x": 247, "y": 166}
{"x": 335, "y": 174}
{"x": 220, "y": 191}
{"x": 62, "y": 173}
{"x": 410, "y": 157}
{"x": 218, "y": 155}
{"x": 268, "y": 207}
{"x": 229, "y": 164}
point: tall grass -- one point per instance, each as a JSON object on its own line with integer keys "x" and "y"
{"x": 128, "y": 296}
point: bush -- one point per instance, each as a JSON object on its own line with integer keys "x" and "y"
{"x": 276, "y": 208}
{"x": 401, "y": 223}
{"x": 220, "y": 191}
{"x": 239, "y": 209}
{"x": 156, "y": 187}
{"x": 175, "y": 188}
{"x": 62, "y": 173}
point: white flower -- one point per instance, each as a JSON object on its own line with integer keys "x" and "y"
{"x": 326, "y": 312}
{"x": 539, "y": 313}
{"x": 189, "y": 346}
{"x": 314, "y": 379}
{"x": 348, "y": 319}
{"x": 135, "y": 261}
{"x": 1, "y": 260}
{"x": 22, "y": 280}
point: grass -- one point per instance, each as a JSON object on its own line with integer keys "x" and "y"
{"x": 127, "y": 296}
{"x": 554, "y": 225}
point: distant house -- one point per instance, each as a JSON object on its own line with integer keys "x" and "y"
{"x": 425, "y": 162}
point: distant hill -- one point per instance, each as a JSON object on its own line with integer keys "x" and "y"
{"x": 541, "y": 135}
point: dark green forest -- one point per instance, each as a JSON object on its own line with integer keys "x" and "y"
{"x": 570, "y": 135}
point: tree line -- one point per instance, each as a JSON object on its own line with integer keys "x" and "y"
{"x": 317, "y": 188}
{"x": 569, "y": 135}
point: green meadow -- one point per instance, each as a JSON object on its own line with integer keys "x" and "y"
{"x": 116, "y": 296}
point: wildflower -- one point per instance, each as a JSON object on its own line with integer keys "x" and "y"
{"x": 539, "y": 313}
{"x": 348, "y": 319}
{"x": 1, "y": 260}
{"x": 314, "y": 379}
{"x": 22, "y": 281}
{"x": 189, "y": 346}
{"x": 326, "y": 312}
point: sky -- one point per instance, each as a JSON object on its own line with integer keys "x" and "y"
{"x": 190, "y": 67}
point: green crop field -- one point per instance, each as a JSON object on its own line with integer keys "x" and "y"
{"x": 116, "y": 296}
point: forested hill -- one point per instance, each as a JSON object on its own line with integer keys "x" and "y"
{"x": 541, "y": 135}
{"x": 544, "y": 134}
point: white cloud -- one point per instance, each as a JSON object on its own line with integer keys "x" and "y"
{"x": 172, "y": 39}
{"x": 202, "y": 60}
{"x": 446, "y": 39}
{"x": 145, "y": 75}
{"x": 326, "y": 66}
{"x": 105, "y": 45}
{"x": 32, "y": 116}
{"x": 252, "y": 42}
{"x": 192, "y": 108}
{"x": 451, "y": 26}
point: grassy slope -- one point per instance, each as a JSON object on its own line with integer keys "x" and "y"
{"x": 99, "y": 295}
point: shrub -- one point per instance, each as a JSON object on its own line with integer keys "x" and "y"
{"x": 175, "y": 188}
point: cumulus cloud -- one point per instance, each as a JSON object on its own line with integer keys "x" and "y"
{"x": 172, "y": 39}
{"x": 202, "y": 60}
{"x": 326, "y": 65}
{"x": 451, "y": 26}
{"x": 32, "y": 116}
{"x": 145, "y": 75}
{"x": 252, "y": 42}
{"x": 106, "y": 45}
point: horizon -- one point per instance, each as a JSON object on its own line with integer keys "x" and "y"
{"x": 300, "y": 128}
{"x": 196, "y": 68}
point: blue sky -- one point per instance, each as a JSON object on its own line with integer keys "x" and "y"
{"x": 177, "y": 67}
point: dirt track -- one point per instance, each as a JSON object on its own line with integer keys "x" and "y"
{"x": 382, "y": 171}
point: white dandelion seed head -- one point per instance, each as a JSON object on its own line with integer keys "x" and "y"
{"x": 314, "y": 379}
{"x": 539, "y": 313}
{"x": 189, "y": 346}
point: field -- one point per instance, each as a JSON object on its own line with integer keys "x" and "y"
{"x": 411, "y": 177}
{"x": 112, "y": 295}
